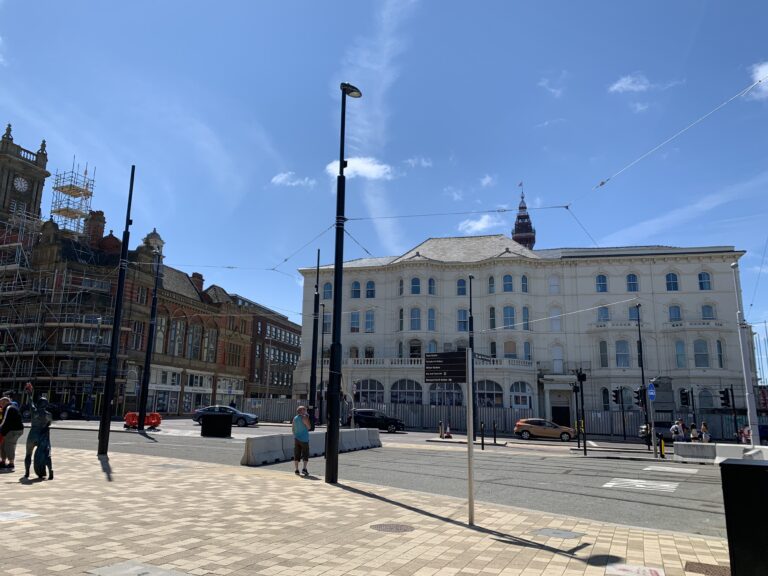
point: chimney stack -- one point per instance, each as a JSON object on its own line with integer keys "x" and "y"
{"x": 197, "y": 280}
{"x": 94, "y": 228}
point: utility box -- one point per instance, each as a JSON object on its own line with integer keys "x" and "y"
{"x": 216, "y": 425}
{"x": 745, "y": 485}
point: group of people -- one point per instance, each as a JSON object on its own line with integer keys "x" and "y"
{"x": 681, "y": 432}
{"x": 38, "y": 439}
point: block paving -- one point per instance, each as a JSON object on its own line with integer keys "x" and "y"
{"x": 184, "y": 517}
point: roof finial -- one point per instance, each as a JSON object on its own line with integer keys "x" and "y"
{"x": 42, "y": 148}
{"x": 7, "y": 135}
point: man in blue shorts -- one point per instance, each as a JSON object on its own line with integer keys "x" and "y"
{"x": 301, "y": 426}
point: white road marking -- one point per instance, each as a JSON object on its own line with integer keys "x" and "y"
{"x": 593, "y": 444}
{"x": 671, "y": 469}
{"x": 639, "y": 484}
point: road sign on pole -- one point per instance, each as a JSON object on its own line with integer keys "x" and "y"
{"x": 651, "y": 392}
{"x": 445, "y": 368}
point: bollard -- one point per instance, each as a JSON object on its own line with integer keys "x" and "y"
{"x": 440, "y": 429}
{"x": 661, "y": 446}
{"x": 494, "y": 432}
{"x": 482, "y": 435}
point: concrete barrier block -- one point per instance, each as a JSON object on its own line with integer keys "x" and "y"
{"x": 316, "y": 443}
{"x": 287, "y": 446}
{"x": 347, "y": 442}
{"x": 361, "y": 439}
{"x": 263, "y": 450}
{"x": 694, "y": 451}
{"x": 374, "y": 441}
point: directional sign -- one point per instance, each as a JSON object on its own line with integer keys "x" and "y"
{"x": 445, "y": 367}
{"x": 483, "y": 357}
{"x": 651, "y": 392}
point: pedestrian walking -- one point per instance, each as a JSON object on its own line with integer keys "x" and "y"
{"x": 677, "y": 432}
{"x": 10, "y": 431}
{"x": 301, "y": 426}
{"x": 705, "y": 437}
{"x": 39, "y": 438}
{"x": 694, "y": 433}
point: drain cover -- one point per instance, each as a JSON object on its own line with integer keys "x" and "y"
{"x": 554, "y": 533}
{"x": 707, "y": 569}
{"x": 393, "y": 527}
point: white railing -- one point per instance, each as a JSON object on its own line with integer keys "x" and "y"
{"x": 419, "y": 363}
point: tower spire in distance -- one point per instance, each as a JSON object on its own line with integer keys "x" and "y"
{"x": 523, "y": 233}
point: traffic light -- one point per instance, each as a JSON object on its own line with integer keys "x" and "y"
{"x": 616, "y": 396}
{"x": 685, "y": 398}
{"x": 640, "y": 397}
{"x": 725, "y": 398}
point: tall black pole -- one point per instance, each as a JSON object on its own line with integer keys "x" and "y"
{"x": 322, "y": 362}
{"x": 471, "y": 386}
{"x": 150, "y": 347}
{"x": 578, "y": 416}
{"x": 109, "y": 383}
{"x": 642, "y": 366}
{"x": 693, "y": 405}
{"x": 623, "y": 417}
{"x": 582, "y": 384}
{"x": 334, "y": 382}
{"x": 313, "y": 367}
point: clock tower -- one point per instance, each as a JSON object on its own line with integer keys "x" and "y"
{"x": 22, "y": 177}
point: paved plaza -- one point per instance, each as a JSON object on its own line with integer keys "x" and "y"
{"x": 135, "y": 514}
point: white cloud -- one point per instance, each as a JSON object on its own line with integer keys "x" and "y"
{"x": 487, "y": 181}
{"x": 554, "y": 85}
{"x": 290, "y": 179}
{"x": 482, "y": 224}
{"x": 635, "y": 82}
{"x": 363, "y": 167}
{"x": 638, "y": 107}
{"x": 455, "y": 193}
{"x": 419, "y": 161}
{"x": 760, "y": 71}
{"x": 548, "y": 123}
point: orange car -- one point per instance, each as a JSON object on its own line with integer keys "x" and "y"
{"x": 530, "y": 427}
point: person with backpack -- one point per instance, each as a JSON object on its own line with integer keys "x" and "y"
{"x": 677, "y": 432}
{"x": 10, "y": 431}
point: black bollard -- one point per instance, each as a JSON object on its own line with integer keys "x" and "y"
{"x": 494, "y": 432}
{"x": 482, "y": 435}
{"x": 440, "y": 428}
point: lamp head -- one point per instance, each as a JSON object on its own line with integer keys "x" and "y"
{"x": 735, "y": 265}
{"x": 471, "y": 277}
{"x": 351, "y": 91}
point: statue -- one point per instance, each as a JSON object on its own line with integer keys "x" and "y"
{"x": 40, "y": 438}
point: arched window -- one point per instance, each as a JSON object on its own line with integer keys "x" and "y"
{"x": 489, "y": 394}
{"x": 510, "y": 349}
{"x": 432, "y": 287}
{"x": 603, "y": 348}
{"x": 675, "y": 315}
{"x": 369, "y": 391}
{"x": 680, "y": 360}
{"x": 355, "y": 290}
{"x": 492, "y": 318}
{"x": 632, "y": 284}
{"x": 405, "y": 391}
{"x": 461, "y": 287}
{"x": 210, "y": 344}
{"x": 520, "y": 395}
{"x": 160, "y": 329}
{"x": 601, "y": 283}
{"x": 415, "y": 286}
{"x": 672, "y": 284}
{"x": 527, "y": 353}
{"x": 176, "y": 337}
{"x": 400, "y": 287}
{"x": 558, "y": 364}
{"x": 415, "y": 319}
{"x": 628, "y": 398}
{"x": 707, "y": 312}
{"x": 705, "y": 281}
{"x": 446, "y": 395}
{"x": 526, "y": 318}
{"x": 701, "y": 354}
{"x": 524, "y": 283}
{"x": 720, "y": 360}
{"x": 508, "y": 283}
{"x": 509, "y": 318}
{"x": 327, "y": 291}
{"x": 622, "y": 354}
{"x": 354, "y": 352}
{"x": 606, "y": 397}
{"x": 194, "y": 341}
{"x": 491, "y": 285}
{"x": 705, "y": 399}
{"x": 370, "y": 289}
{"x": 414, "y": 349}
{"x": 555, "y": 324}
{"x": 431, "y": 319}
{"x": 326, "y": 322}
{"x": 400, "y": 320}
{"x": 432, "y": 346}
{"x": 554, "y": 284}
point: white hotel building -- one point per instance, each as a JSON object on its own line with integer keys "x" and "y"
{"x": 540, "y": 314}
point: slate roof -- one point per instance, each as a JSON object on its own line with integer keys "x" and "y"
{"x": 217, "y": 294}
{"x": 178, "y": 281}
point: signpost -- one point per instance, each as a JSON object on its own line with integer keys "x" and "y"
{"x": 651, "y": 391}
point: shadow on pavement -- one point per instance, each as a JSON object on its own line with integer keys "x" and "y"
{"x": 499, "y": 536}
{"x": 105, "y": 467}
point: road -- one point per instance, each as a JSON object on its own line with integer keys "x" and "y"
{"x": 542, "y": 476}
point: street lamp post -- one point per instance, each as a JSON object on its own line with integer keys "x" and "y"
{"x": 334, "y": 383}
{"x": 322, "y": 365}
{"x": 471, "y": 386}
{"x": 150, "y": 346}
{"x": 746, "y": 368}
{"x": 313, "y": 365}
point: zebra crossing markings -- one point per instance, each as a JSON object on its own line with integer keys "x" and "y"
{"x": 671, "y": 469}
{"x": 640, "y": 484}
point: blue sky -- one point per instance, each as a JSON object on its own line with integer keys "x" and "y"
{"x": 230, "y": 111}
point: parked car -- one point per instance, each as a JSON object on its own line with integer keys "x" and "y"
{"x": 662, "y": 427}
{"x": 238, "y": 417}
{"x": 536, "y": 427}
{"x": 57, "y": 411}
{"x": 365, "y": 418}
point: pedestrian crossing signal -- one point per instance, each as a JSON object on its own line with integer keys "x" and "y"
{"x": 725, "y": 399}
{"x": 640, "y": 397}
{"x": 616, "y": 396}
{"x": 685, "y": 398}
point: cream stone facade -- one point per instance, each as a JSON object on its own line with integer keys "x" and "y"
{"x": 540, "y": 315}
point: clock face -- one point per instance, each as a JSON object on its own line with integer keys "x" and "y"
{"x": 20, "y": 184}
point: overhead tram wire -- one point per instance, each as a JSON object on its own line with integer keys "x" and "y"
{"x": 759, "y": 273}
{"x": 677, "y": 134}
{"x": 570, "y": 211}
{"x": 358, "y": 243}
{"x": 462, "y": 213}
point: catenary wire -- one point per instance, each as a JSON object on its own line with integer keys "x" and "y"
{"x": 759, "y": 273}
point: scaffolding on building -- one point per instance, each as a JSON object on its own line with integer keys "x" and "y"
{"x": 71, "y": 202}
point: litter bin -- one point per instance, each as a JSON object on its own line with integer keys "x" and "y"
{"x": 216, "y": 425}
{"x": 745, "y": 484}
